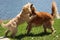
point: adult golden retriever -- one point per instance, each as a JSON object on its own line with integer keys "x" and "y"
{"x": 42, "y": 18}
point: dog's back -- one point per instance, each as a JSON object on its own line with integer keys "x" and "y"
{"x": 41, "y": 18}
{"x": 44, "y": 15}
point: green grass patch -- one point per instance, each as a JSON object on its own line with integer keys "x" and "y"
{"x": 36, "y": 32}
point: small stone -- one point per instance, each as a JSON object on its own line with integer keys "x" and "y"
{"x": 32, "y": 38}
{"x": 57, "y": 36}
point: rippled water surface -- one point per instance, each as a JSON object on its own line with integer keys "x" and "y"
{"x": 10, "y": 8}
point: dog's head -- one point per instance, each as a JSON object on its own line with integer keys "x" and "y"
{"x": 28, "y": 10}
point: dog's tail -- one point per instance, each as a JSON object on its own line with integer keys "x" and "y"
{"x": 2, "y": 24}
{"x": 54, "y": 10}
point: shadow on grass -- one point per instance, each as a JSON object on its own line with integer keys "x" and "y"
{"x": 19, "y": 37}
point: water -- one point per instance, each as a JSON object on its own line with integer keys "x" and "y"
{"x": 10, "y": 8}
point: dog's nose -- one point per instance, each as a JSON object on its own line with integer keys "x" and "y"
{"x": 30, "y": 15}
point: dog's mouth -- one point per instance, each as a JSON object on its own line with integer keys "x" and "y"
{"x": 30, "y": 15}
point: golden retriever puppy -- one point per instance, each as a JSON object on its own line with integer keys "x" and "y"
{"x": 42, "y": 18}
{"x": 19, "y": 19}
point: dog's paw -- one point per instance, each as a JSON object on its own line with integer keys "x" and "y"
{"x": 4, "y": 36}
{"x": 54, "y": 32}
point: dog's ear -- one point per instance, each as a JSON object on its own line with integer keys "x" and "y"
{"x": 33, "y": 10}
{"x": 31, "y": 6}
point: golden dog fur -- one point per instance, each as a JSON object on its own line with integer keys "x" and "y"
{"x": 19, "y": 19}
{"x": 42, "y": 18}
{"x": 54, "y": 10}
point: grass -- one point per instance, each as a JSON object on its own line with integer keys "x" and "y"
{"x": 36, "y": 33}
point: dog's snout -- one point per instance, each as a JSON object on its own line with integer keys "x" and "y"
{"x": 30, "y": 15}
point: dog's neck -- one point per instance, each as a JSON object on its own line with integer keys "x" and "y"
{"x": 21, "y": 18}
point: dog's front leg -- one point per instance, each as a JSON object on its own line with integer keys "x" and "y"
{"x": 29, "y": 28}
{"x": 45, "y": 29}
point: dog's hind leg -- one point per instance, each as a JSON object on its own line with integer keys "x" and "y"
{"x": 6, "y": 33}
{"x": 14, "y": 31}
{"x": 52, "y": 29}
{"x": 50, "y": 26}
